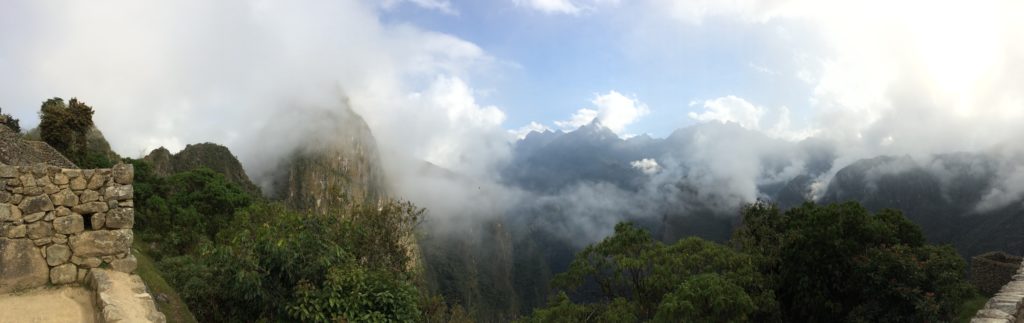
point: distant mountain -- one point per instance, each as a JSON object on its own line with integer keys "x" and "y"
{"x": 941, "y": 195}
{"x": 685, "y": 197}
{"x": 213, "y": 156}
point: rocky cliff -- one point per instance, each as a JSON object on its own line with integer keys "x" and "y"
{"x": 337, "y": 166}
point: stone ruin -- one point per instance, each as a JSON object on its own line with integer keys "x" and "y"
{"x": 991, "y": 270}
{"x": 56, "y": 224}
{"x": 1007, "y": 304}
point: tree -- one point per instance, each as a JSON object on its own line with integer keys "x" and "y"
{"x": 10, "y": 121}
{"x": 274, "y": 264}
{"x": 65, "y": 126}
{"x": 840, "y": 261}
{"x": 632, "y": 277}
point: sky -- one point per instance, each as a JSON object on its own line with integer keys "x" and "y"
{"x": 452, "y": 82}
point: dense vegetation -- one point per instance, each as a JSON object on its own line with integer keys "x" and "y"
{"x": 237, "y": 258}
{"x": 10, "y": 121}
{"x": 810, "y": 263}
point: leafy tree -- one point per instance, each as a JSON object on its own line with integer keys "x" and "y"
{"x": 10, "y": 121}
{"x": 706, "y": 298}
{"x": 841, "y": 261}
{"x": 275, "y": 264}
{"x": 65, "y": 126}
{"x": 636, "y": 278}
{"x": 178, "y": 212}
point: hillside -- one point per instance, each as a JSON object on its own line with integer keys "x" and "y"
{"x": 943, "y": 195}
{"x": 213, "y": 156}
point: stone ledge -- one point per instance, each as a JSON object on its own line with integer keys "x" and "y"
{"x": 122, "y": 297}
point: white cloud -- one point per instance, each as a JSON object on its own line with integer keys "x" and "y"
{"x": 647, "y": 166}
{"x": 695, "y": 11}
{"x": 444, "y": 6}
{"x": 569, "y": 7}
{"x": 773, "y": 122}
{"x": 550, "y": 6}
{"x": 912, "y": 81}
{"x": 730, "y": 109}
{"x": 578, "y": 119}
{"x": 519, "y": 134}
{"x": 613, "y": 110}
{"x": 462, "y": 135}
{"x": 173, "y": 73}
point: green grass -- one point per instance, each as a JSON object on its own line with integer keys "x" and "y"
{"x": 174, "y": 308}
{"x": 970, "y": 307}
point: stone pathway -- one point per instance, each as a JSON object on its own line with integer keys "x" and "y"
{"x": 46, "y": 305}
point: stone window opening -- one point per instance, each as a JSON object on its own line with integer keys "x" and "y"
{"x": 87, "y": 219}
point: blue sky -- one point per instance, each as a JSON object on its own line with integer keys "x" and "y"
{"x": 563, "y": 61}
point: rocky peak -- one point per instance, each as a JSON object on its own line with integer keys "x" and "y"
{"x": 338, "y": 166}
{"x": 213, "y": 156}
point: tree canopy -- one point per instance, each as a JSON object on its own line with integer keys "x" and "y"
{"x": 10, "y": 121}
{"x": 630, "y": 276}
{"x": 840, "y": 261}
{"x": 65, "y": 127}
{"x": 810, "y": 263}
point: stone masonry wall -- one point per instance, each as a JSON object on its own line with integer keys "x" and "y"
{"x": 990, "y": 271}
{"x": 56, "y": 224}
{"x": 1005, "y": 305}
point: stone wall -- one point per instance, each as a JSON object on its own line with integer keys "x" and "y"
{"x": 1005, "y": 305}
{"x": 56, "y": 224}
{"x": 990, "y": 271}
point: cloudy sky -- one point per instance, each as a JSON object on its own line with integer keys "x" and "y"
{"x": 449, "y": 81}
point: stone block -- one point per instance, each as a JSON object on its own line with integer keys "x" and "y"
{"x": 57, "y": 254}
{"x": 118, "y": 192}
{"x": 9, "y": 213}
{"x": 71, "y": 172}
{"x": 27, "y": 180}
{"x": 78, "y": 183}
{"x": 40, "y": 230}
{"x": 70, "y": 224}
{"x": 16, "y": 231}
{"x": 61, "y": 179}
{"x": 34, "y": 217}
{"x": 87, "y": 262}
{"x": 121, "y": 218}
{"x": 98, "y": 220}
{"x": 123, "y": 173}
{"x": 35, "y": 204}
{"x": 90, "y": 196}
{"x": 63, "y": 274}
{"x": 101, "y": 243}
{"x": 23, "y": 265}
{"x": 64, "y": 198}
{"x": 32, "y": 191}
{"x": 96, "y": 181}
{"x": 90, "y": 208}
